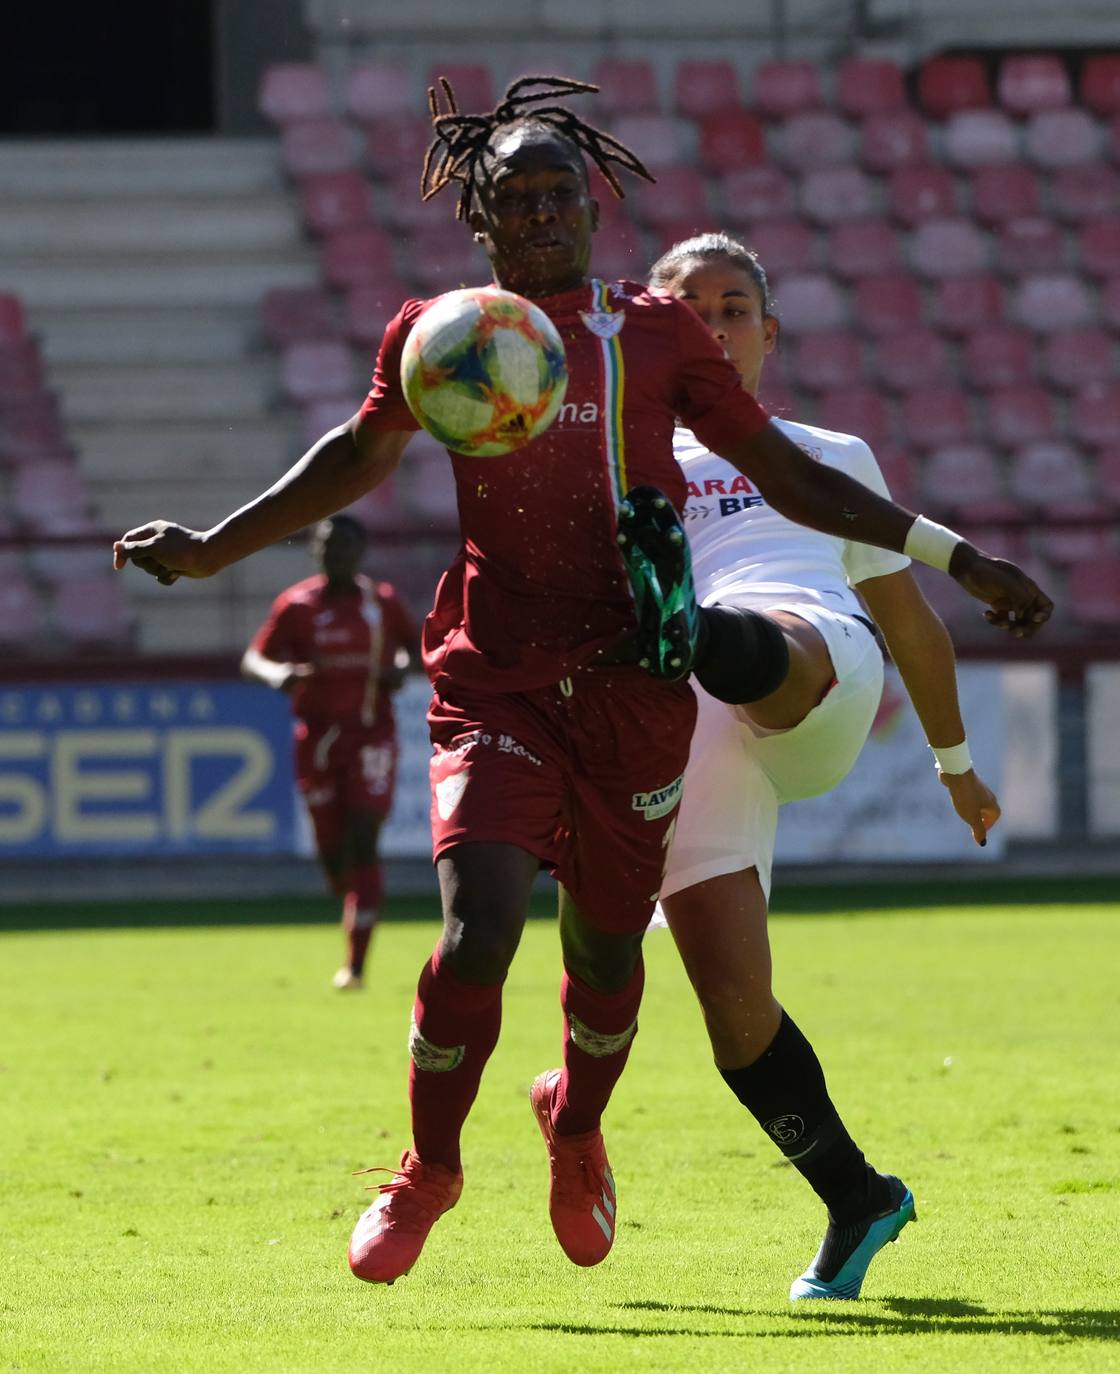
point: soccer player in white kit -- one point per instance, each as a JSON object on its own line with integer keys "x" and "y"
{"x": 795, "y": 734}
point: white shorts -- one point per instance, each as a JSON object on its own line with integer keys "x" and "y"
{"x": 738, "y": 775}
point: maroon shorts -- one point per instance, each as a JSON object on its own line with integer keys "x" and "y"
{"x": 587, "y": 781}
{"x": 341, "y": 772}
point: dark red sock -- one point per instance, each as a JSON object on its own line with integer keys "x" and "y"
{"x": 454, "y": 1030}
{"x": 599, "y": 1028}
{"x": 361, "y": 907}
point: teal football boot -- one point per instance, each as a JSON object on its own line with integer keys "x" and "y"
{"x": 846, "y": 1251}
{"x": 656, "y": 555}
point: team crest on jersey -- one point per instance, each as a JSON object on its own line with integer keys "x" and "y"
{"x": 604, "y": 324}
{"x": 653, "y": 805}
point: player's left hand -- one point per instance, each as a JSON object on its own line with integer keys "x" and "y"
{"x": 973, "y": 801}
{"x": 1015, "y": 601}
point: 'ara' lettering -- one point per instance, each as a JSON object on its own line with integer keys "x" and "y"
{"x": 719, "y": 486}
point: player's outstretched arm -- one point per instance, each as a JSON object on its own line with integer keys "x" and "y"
{"x": 341, "y": 467}
{"x": 923, "y": 653}
{"x": 826, "y": 499}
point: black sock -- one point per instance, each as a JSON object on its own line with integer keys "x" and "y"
{"x": 784, "y": 1090}
{"x": 741, "y": 655}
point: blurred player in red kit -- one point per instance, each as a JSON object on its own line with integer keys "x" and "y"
{"x": 340, "y": 643}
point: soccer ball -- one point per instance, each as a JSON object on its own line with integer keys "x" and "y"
{"x": 484, "y": 371}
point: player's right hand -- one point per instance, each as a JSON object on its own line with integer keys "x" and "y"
{"x": 164, "y": 550}
{"x": 973, "y": 801}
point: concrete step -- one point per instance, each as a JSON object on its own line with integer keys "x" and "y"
{"x": 155, "y": 335}
{"x": 138, "y": 283}
{"x": 91, "y": 393}
{"x": 214, "y": 621}
{"x": 198, "y": 505}
{"x": 259, "y": 450}
{"x": 140, "y": 167}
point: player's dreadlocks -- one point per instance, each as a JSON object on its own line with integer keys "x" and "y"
{"x": 462, "y": 141}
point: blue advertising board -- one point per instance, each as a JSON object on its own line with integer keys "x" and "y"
{"x": 127, "y": 768}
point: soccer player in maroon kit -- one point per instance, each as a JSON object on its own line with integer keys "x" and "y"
{"x": 551, "y": 745}
{"x": 339, "y": 644}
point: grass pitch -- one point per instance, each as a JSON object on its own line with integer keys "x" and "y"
{"x": 182, "y": 1107}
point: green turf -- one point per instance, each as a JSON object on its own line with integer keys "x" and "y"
{"x": 182, "y": 1107}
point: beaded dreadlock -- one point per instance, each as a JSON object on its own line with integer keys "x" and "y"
{"x": 462, "y": 141}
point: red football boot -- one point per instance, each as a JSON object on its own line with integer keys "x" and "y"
{"x": 581, "y": 1197}
{"x": 391, "y": 1232}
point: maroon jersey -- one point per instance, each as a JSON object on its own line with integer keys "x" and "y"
{"x": 351, "y": 636}
{"x": 538, "y": 586}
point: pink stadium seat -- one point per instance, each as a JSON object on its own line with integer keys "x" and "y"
{"x": 961, "y": 304}
{"x": 659, "y": 140}
{"x": 327, "y": 414}
{"x": 21, "y": 370}
{"x": 730, "y": 141}
{"x": 757, "y": 193}
{"x": 380, "y": 508}
{"x": 1084, "y": 193}
{"x": 980, "y": 138}
{"x": 1008, "y": 192}
{"x": 402, "y": 207}
{"x": 474, "y": 89}
{"x": 918, "y": 193}
{"x": 786, "y": 88}
{"x": 810, "y": 303}
{"x": 827, "y": 362}
{"x": 935, "y": 416}
{"x": 316, "y": 369}
{"x": 680, "y": 193}
{"x": 859, "y": 410}
{"x": 1054, "y": 301}
{"x": 355, "y": 257}
{"x": 949, "y": 248}
{"x": 336, "y": 200}
{"x": 370, "y": 308}
{"x": 1028, "y": 246}
{"x": 887, "y": 304}
{"x": 1004, "y": 541}
{"x": 1110, "y": 304}
{"x": 1050, "y": 474}
{"x": 832, "y": 194}
{"x": 45, "y": 494}
{"x": 964, "y": 477}
{"x": 31, "y": 430}
{"x": 705, "y": 88}
{"x": 22, "y": 621}
{"x": 291, "y": 314}
{"x": 998, "y": 356}
{"x": 1114, "y": 138}
{"x": 317, "y": 145}
{"x": 397, "y": 143}
{"x": 949, "y": 84}
{"x": 54, "y": 564}
{"x": 784, "y": 246}
{"x": 666, "y": 236}
{"x": 1094, "y": 416}
{"x": 1072, "y": 544}
{"x": 776, "y": 396}
{"x": 625, "y": 86}
{"x": 374, "y": 89}
{"x": 445, "y": 258}
{"x": 1106, "y": 473}
{"x": 91, "y": 612}
{"x": 868, "y": 86}
{"x": 892, "y": 139}
{"x": 1098, "y": 247}
{"x": 1093, "y": 592}
{"x": 1100, "y": 84}
{"x": 1035, "y": 82}
{"x": 292, "y": 92}
{"x": 1019, "y": 414}
{"x": 1063, "y": 138}
{"x": 911, "y": 360}
{"x": 1073, "y": 358}
{"x": 13, "y": 324}
{"x": 899, "y": 469}
{"x": 863, "y": 248}
{"x": 815, "y": 138}
{"x": 620, "y": 252}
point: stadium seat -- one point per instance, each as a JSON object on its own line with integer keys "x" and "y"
{"x": 1098, "y": 248}
{"x": 658, "y": 140}
{"x": 965, "y": 477}
{"x": 980, "y": 138}
{"x": 962, "y": 304}
{"x": 1093, "y": 592}
{"x": 811, "y": 302}
{"x": 355, "y": 257}
{"x": 899, "y": 469}
{"x": 782, "y": 89}
{"x": 625, "y": 86}
{"x": 863, "y": 248}
{"x": 708, "y": 88}
{"x": 471, "y": 82}
{"x": 370, "y": 308}
{"x": 731, "y": 141}
{"x": 1000, "y": 193}
{"x": 1028, "y": 246}
{"x": 869, "y": 86}
{"x": 22, "y": 622}
{"x": 949, "y": 84}
{"x": 291, "y": 314}
{"x": 680, "y": 193}
{"x": 911, "y": 360}
{"x": 1094, "y": 416}
{"x": 776, "y": 396}
{"x": 815, "y": 138}
{"x": 620, "y": 252}
{"x": 45, "y": 493}
{"x": 317, "y": 145}
{"x": 948, "y": 248}
{"x": 1110, "y": 304}
{"x": 785, "y": 246}
{"x": 13, "y": 323}
{"x": 326, "y": 414}
{"x": 1084, "y": 193}
{"x": 887, "y": 304}
{"x": 998, "y": 356}
{"x": 1100, "y": 84}
{"x": 831, "y": 194}
{"x": 1067, "y": 543}
{"x": 1106, "y": 474}
{"x": 91, "y": 612}
{"x": 1018, "y": 414}
{"x": 1004, "y": 541}
{"x": 1055, "y": 301}
{"x": 21, "y": 370}
{"x": 336, "y": 200}
{"x": 1074, "y": 358}
{"x": 933, "y": 417}
{"x": 859, "y": 410}
{"x": 396, "y": 144}
{"x": 1033, "y": 82}
{"x": 1049, "y": 474}
{"x": 827, "y": 362}
{"x": 756, "y": 194}
{"x": 892, "y": 139}
{"x": 312, "y": 370}
{"x": 1114, "y": 138}
{"x": 52, "y": 564}
{"x": 31, "y": 430}
{"x": 445, "y": 258}
{"x": 1063, "y": 138}
{"x": 666, "y": 236}
{"x": 375, "y": 89}
{"x": 918, "y": 193}
{"x": 379, "y": 509}
{"x": 292, "y": 92}
{"x": 431, "y": 491}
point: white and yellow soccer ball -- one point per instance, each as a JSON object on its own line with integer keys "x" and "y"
{"x": 484, "y": 371}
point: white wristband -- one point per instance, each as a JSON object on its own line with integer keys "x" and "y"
{"x": 931, "y": 543}
{"x": 954, "y": 760}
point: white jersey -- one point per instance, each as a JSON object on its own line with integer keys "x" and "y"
{"x": 745, "y": 553}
